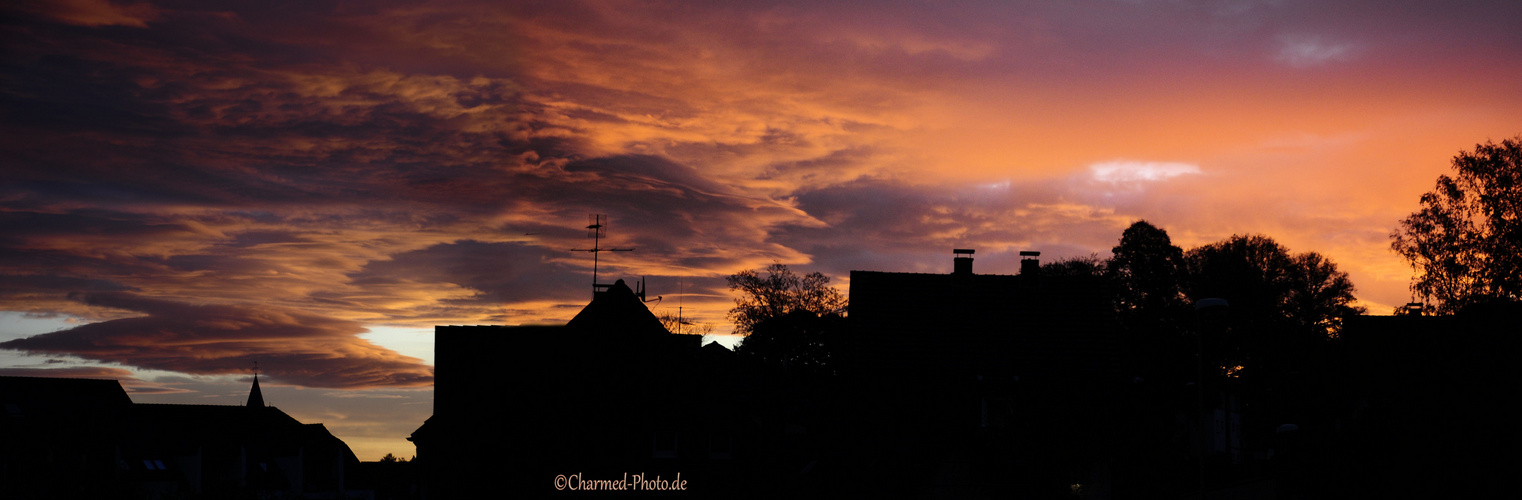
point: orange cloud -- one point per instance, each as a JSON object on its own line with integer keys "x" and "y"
{"x": 290, "y": 346}
{"x": 129, "y": 381}
{"x": 93, "y": 13}
{"x": 433, "y": 162}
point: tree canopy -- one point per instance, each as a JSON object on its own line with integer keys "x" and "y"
{"x": 1077, "y": 267}
{"x": 787, "y": 318}
{"x": 1465, "y": 243}
{"x": 798, "y": 339}
{"x": 779, "y": 292}
{"x": 1260, "y": 278}
{"x": 1147, "y": 267}
{"x": 1281, "y": 305}
{"x": 676, "y": 324}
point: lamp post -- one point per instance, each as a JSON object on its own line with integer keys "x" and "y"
{"x": 1202, "y": 307}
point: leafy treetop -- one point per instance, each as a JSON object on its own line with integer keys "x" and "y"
{"x": 1465, "y": 243}
{"x": 777, "y": 292}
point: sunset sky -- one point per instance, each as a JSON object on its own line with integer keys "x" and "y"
{"x": 192, "y": 186}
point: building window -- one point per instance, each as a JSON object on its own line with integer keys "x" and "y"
{"x": 721, "y": 445}
{"x": 664, "y": 444}
{"x": 997, "y": 413}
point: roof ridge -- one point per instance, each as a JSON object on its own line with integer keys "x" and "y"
{"x": 929, "y": 274}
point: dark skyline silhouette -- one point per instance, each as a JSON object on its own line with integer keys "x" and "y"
{"x": 83, "y": 438}
{"x": 957, "y": 384}
{"x": 188, "y": 186}
{"x": 973, "y": 385}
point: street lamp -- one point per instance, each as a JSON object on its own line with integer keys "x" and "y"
{"x": 1202, "y": 308}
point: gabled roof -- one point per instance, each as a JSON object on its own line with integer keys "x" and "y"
{"x": 184, "y": 427}
{"x": 1023, "y": 324}
{"x": 617, "y": 312}
{"x": 82, "y": 409}
{"x": 64, "y": 391}
{"x": 423, "y": 432}
{"x": 215, "y": 418}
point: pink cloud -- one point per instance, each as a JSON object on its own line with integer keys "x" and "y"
{"x": 290, "y": 346}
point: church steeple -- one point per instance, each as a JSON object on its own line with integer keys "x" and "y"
{"x": 256, "y": 398}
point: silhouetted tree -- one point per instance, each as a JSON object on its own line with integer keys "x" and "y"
{"x": 786, "y": 318}
{"x": 1251, "y": 272}
{"x": 1269, "y": 350}
{"x": 1283, "y": 306}
{"x": 1147, "y": 273}
{"x": 1148, "y": 269}
{"x": 1320, "y": 298}
{"x": 674, "y": 324}
{"x": 1091, "y": 266}
{"x": 1259, "y": 276}
{"x": 1089, "y": 272}
{"x": 798, "y": 340}
{"x": 778, "y": 293}
{"x": 1465, "y": 243}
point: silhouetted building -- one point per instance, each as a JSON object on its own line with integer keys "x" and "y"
{"x": 971, "y": 385}
{"x": 956, "y": 384}
{"x": 387, "y": 480}
{"x": 63, "y": 438}
{"x": 1423, "y": 409}
{"x": 77, "y": 438}
{"x": 609, "y": 393}
{"x": 962, "y": 325}
{"x": 981, "y": 384}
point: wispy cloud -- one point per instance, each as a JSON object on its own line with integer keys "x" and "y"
{"x": 129, "y": 381}
{"x": 1130, "y": 171}
{"x": 1305, "y": 51}
{"x": 291, "y": 346}
{"x": 432, "y": 163}
{"x": 93, "y": 12}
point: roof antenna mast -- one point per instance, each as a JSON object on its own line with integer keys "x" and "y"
{"x": 595, "y": 230}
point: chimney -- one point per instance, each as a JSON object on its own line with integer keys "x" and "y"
{"x": 1030, "y": 263}
{"x": 962, "y": 263}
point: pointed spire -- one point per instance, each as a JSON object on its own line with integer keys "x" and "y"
{"x": 256, "y": 398}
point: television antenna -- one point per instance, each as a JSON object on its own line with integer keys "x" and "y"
{"x": 679, "y": 295}
{"x": 597, "y": 223}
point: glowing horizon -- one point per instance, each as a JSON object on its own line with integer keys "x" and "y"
{"x": 194, "y": 183}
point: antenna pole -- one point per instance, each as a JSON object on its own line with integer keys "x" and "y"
{"x": 595, "y": 230}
